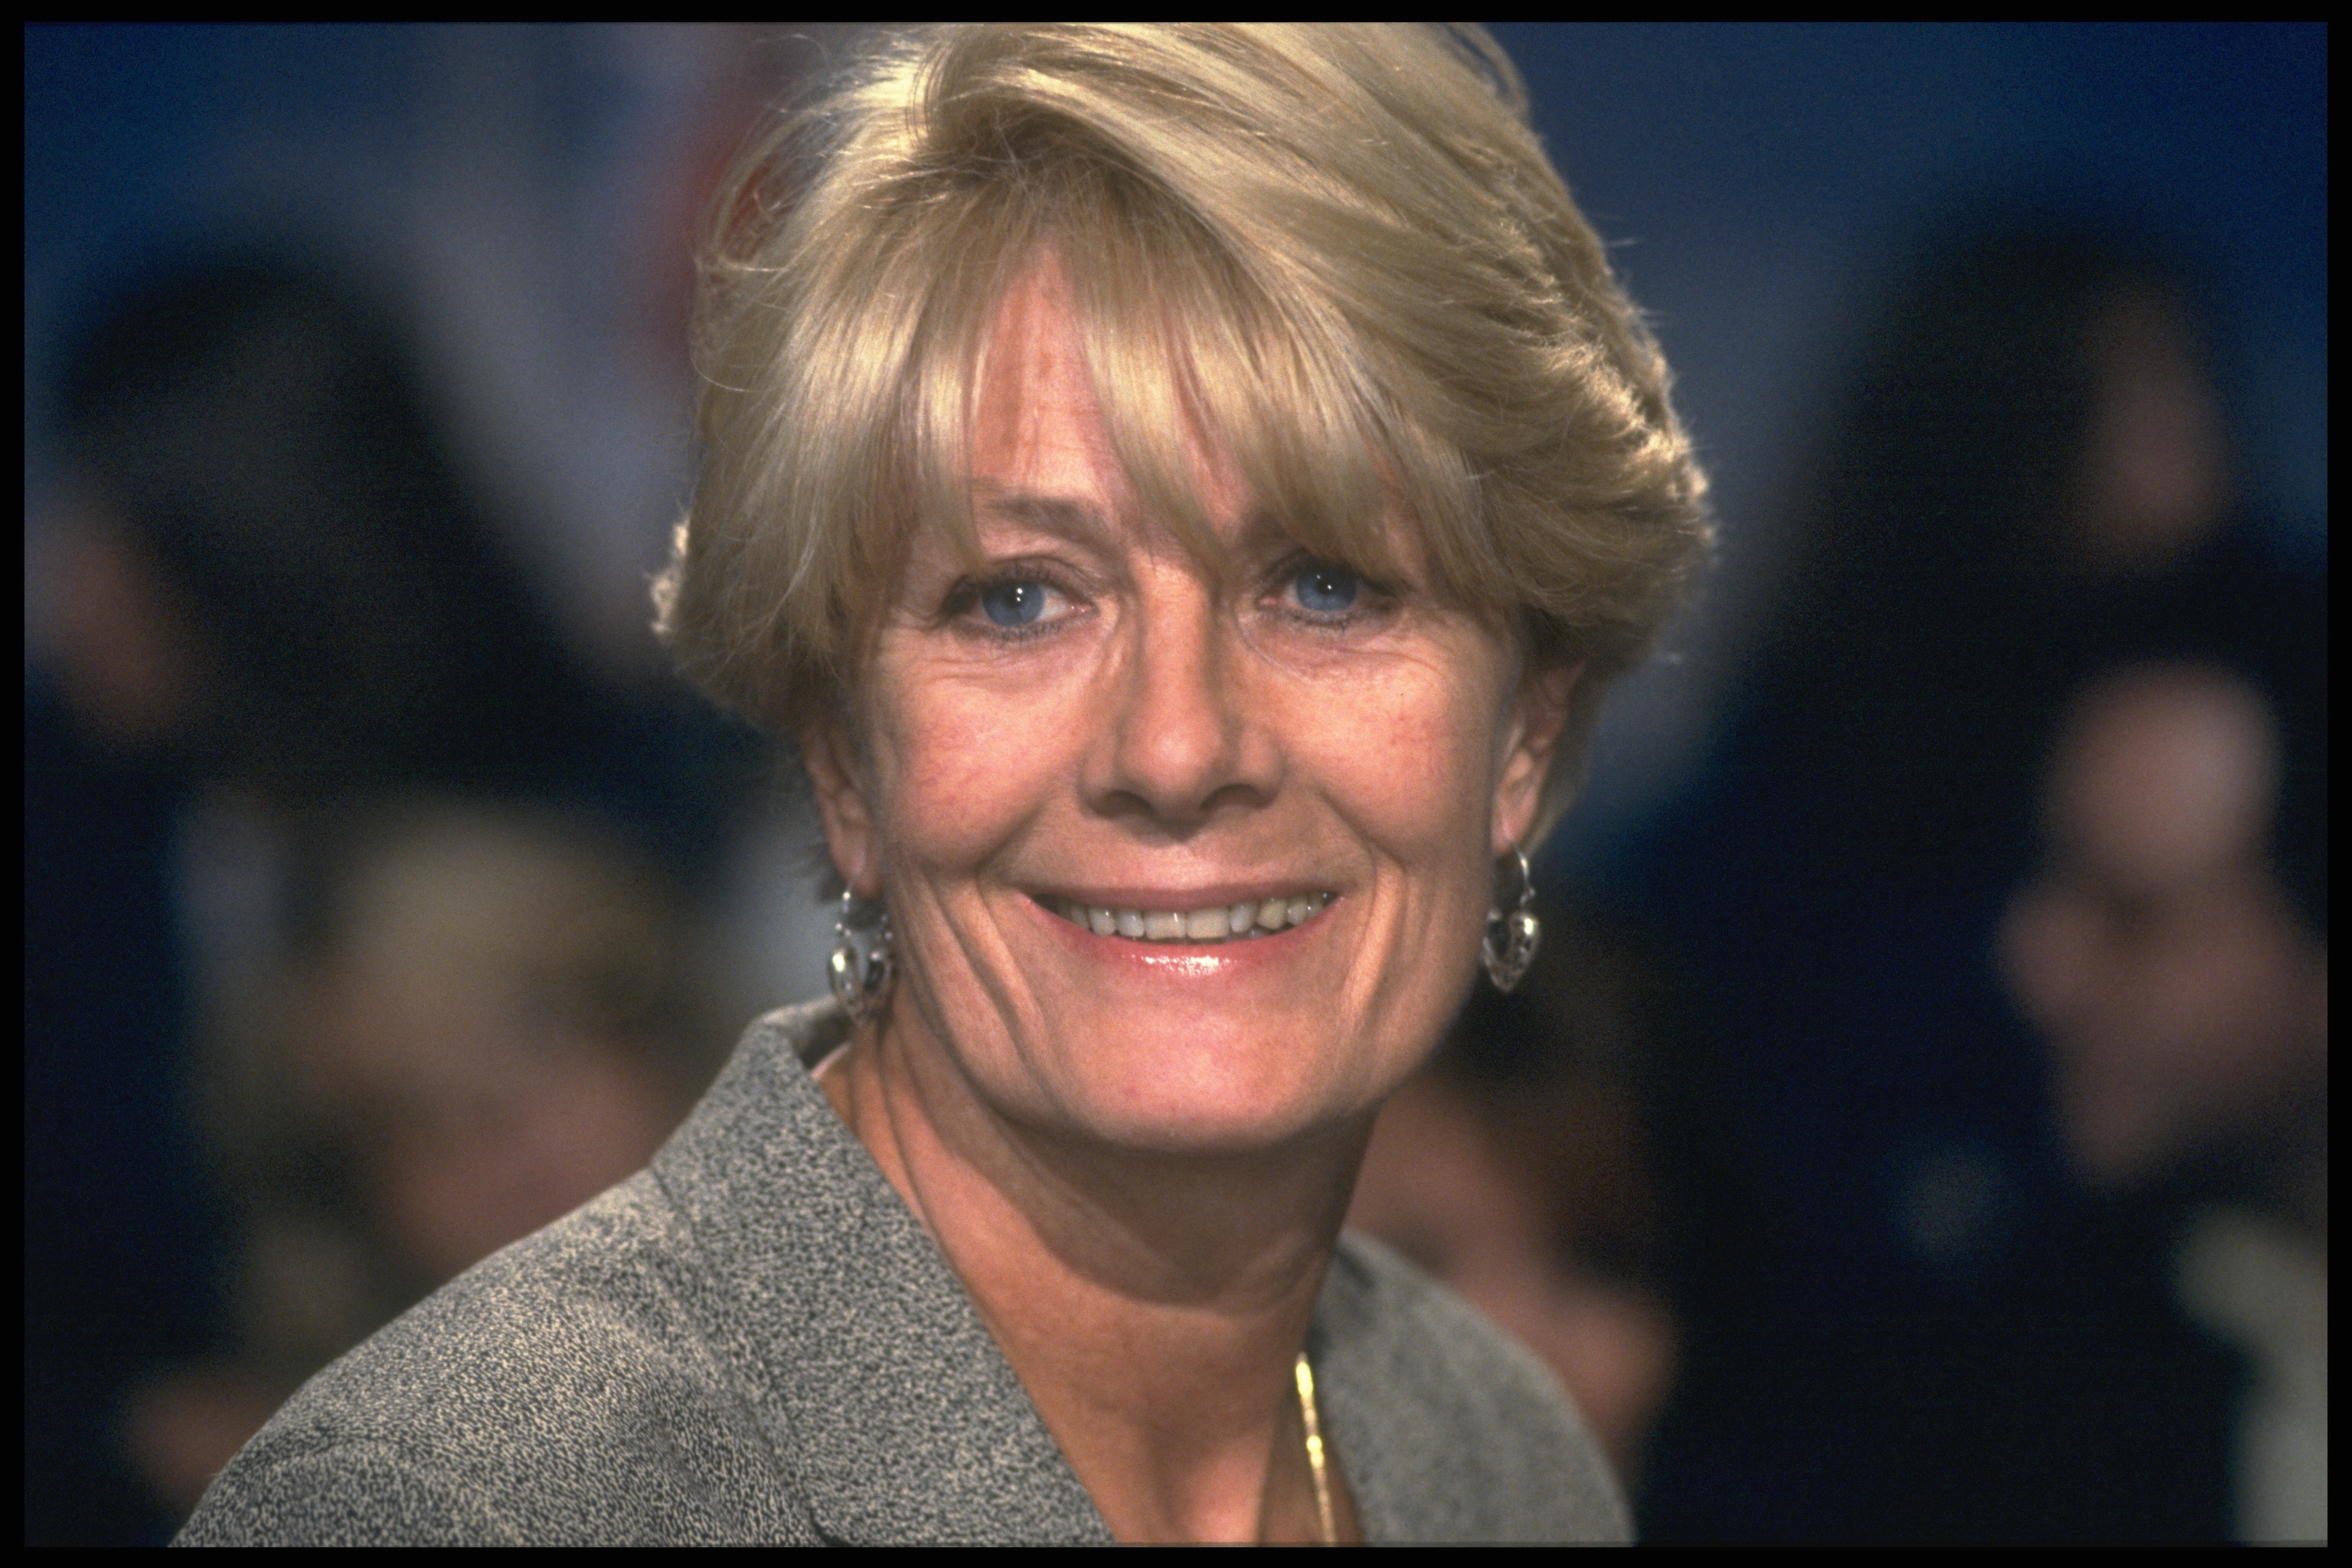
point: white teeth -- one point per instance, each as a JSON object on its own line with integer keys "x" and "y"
{"x": 1223, "y": 923}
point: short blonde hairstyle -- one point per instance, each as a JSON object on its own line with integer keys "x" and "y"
{"x": 1336, "y": 253}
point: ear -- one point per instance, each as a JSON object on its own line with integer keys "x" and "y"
{"x": 1540, "y": 714}
{"x": 840, "y": 801}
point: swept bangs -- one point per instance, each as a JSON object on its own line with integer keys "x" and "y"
{"x": 1335, "y": 255}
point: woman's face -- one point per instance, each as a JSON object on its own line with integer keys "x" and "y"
{"x": 1100, "y": 741}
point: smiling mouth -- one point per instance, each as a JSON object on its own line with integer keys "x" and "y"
{"x": 1221, "y": 922}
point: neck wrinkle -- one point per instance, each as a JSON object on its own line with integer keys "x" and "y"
{"x": 1152, "y": 1306}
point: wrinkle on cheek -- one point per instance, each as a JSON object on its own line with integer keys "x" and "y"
{"x": 1414, "y": 730}
{"x": 962, "y": 773}
{"x": 1407, "y": 758}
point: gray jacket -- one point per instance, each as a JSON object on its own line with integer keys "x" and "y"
{"x": 754, "y": 1341}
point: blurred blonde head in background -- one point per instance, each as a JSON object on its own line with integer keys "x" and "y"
{"x": 482, "y": 1015}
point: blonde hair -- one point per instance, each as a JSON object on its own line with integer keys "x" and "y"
{"x": 1337, "y": 253}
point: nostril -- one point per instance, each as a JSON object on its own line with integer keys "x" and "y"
{"x": 1184, "y": 739}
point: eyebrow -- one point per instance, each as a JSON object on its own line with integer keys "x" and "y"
{"x": 1059, "y": 515}
{"x": 1081, "y": 522}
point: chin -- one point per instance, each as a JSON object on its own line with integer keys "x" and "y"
{"x": 1199, "y": 1103}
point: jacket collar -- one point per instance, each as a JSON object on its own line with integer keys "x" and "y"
{"x": 889, "y": 1403}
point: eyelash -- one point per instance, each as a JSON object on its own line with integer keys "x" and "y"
{"x": 1381, "y": 597}
{"x": 962, "y": 604}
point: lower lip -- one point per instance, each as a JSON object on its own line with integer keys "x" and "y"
{"x": 1187, "y": 960}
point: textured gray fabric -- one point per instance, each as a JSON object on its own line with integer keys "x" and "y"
{"x": 755, "y": 1340}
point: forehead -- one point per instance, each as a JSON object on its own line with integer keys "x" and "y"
{"x": 1035, "y": 415}
{"x": 1038, "y": 427}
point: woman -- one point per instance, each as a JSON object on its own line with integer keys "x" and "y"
{"x": 1185, "y": 491}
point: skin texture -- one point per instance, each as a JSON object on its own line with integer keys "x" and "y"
{"x": 1138, "y": 1157}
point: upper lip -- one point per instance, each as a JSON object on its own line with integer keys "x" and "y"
{"x": 1184, "y": 900}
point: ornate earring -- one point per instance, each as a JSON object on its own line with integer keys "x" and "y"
{"x": 863, "y": 965}
{"x": 1511, "y": 936}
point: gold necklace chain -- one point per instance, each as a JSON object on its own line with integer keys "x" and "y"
{"x": 1305, "y": 1375}
{"x": 1314, "y": 1451}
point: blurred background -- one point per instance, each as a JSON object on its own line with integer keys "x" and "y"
{"x": 1916, "y": 1126}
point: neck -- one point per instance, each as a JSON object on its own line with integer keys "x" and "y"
{"x": 1152, "y": 1304}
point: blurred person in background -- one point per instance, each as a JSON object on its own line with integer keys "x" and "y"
{"x": 2028, "y": 479}
{"x": 2182, "y": 987}
{"x": 259, "y": 586}
{"x": 477, "y": 1018}
{"x": 2152, "y": 1362}
{"x": 263, "y": 562}
{"x": 1556, "y": 1164}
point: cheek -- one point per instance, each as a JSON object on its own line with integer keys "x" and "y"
{"x": 1407, "y": 754}
{"x": 959, "y": 769}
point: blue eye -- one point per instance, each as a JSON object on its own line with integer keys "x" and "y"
{"x": 1327, "y": 590}
{"x": 1014, "y": 603}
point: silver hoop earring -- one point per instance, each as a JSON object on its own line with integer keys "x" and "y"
{"x": 1511, "y": 935}
{"x": 863, "y": 963}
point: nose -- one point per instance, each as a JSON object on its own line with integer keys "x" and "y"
{"x": 1183, "y": 737}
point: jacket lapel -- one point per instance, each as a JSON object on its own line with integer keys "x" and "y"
{"x": 889, "y": 1403}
